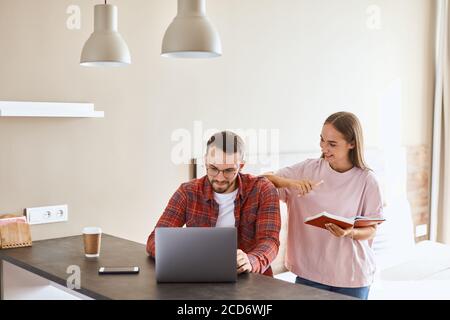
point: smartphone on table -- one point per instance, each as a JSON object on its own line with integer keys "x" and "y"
{"x": 118, "y": 270}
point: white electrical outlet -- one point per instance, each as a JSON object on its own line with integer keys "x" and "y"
{"x": 43, "y": 215}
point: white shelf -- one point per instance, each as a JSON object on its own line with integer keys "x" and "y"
{"x": 48, "y": 109}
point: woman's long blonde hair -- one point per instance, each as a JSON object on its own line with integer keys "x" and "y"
{"x": 350, "y": 127}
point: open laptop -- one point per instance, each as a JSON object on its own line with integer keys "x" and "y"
{"x": 196, "y": 254}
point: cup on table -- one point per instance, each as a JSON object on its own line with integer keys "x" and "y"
{"x": 92, "y": 237}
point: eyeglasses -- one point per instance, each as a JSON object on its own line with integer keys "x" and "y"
{"x": 227, "y": 173}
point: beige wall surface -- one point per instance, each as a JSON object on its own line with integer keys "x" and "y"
{"x": 286, "y": 65}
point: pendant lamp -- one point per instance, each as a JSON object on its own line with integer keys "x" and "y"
{"x": 191, "y": 34}
{"x": 105, "y": 47}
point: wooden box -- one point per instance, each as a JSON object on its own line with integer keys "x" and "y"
{"x": 14, "y": 233}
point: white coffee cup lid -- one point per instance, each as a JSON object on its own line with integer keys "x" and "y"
{"x": 92, "y": 230}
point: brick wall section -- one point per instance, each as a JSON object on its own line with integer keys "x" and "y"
{"x": 418, "y": 185}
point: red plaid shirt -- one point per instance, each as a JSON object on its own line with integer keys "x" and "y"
{"x": 256, "y": 213}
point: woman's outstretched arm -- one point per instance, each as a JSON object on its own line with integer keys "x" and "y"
{"x": 302, "y": 186}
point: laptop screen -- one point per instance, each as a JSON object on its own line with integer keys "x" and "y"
{"x": 196, "y": 254}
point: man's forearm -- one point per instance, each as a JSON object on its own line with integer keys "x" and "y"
{"x": 151, "y": 244}
{"x": 173, "y": 216}
{"x": 262, "y": 256}
{"x": 268, "y": 225}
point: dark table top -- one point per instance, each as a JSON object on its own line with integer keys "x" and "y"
{"x": 51, "y": 258}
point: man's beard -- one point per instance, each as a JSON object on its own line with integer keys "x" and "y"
{"x": 223, "y": 187}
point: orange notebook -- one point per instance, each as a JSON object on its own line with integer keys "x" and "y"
{"x": 319, "y": 220}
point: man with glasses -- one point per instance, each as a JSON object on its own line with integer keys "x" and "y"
{"x": 225, "y": 197}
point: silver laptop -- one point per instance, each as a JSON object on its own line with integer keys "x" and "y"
{"x": 196, "y": 254}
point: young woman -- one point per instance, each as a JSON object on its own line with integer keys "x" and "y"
{"x": 340, "y": 182}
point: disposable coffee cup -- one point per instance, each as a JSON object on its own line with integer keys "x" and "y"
{"x": 92, "y": 237}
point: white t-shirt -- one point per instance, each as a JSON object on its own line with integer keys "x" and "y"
{"x": 226, "y": 208}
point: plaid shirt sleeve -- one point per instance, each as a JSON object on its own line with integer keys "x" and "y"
{"x": 268, "y": 225}
{"x": 173, "y": 216}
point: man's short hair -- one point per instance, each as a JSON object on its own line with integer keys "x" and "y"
{"x": 227, "y": 141}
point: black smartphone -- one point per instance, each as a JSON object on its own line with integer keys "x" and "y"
{"x": 118, "y": 270}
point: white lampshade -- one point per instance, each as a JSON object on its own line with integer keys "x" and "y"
{"x": 105, "y": 46}
{"x": 191, "y": 34}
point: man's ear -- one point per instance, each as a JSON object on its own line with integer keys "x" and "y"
{"x": 241, "y": 165}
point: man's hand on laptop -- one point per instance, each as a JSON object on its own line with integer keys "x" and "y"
{"x": 243, "y": 263}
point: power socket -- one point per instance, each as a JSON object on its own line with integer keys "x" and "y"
{"x": 52, "y": 214}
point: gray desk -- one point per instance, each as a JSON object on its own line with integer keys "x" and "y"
{"x": 50, "y": 259}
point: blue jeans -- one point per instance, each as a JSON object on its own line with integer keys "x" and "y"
{"x": 361, "y": 293}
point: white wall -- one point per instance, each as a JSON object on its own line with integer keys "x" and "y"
{"x": 287, "y": 65}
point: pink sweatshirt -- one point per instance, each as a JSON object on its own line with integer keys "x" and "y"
{"x": 314, "y": 253}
